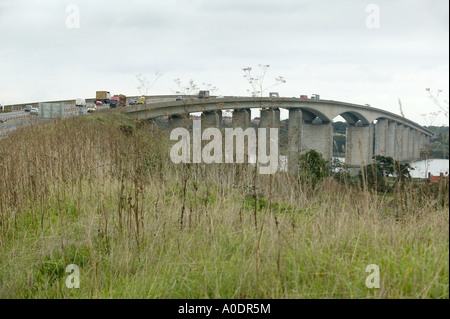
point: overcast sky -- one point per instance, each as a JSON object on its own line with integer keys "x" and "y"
{"x": 339, "y": 49}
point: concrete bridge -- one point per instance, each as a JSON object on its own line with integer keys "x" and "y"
{"x": 309, "y": 125}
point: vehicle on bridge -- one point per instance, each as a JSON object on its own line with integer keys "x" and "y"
{"x": 274, "y": 94}
{"x": 303, "y": 96}
{"x": 34, "y": 111}
{"x": 141, "y": 100}
{"x": 28, "y": 108}
{"x": 203, "y": 94}
{"x": 80, "y": 102}
{"x": 114, "y": 101}
{"x": 315, "y": 96}
{"x": 103, "y": 96}
{"x": 99, "y": 103}
{"x": 92, "y": 108}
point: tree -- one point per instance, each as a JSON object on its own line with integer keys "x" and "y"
{"x": 312, "y": 167}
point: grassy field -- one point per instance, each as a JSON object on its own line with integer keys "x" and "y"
{"x": 101, "y": 192}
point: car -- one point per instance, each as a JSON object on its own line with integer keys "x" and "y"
{"x": 132, "y": 102}
{"x": 140, "y": 102}
{"x": 34, "y": 111}
{"x": 28, "y": 108}
{"x": 179, "y": 98}
{"x": 92, "y": 108}
{"x": 98, "y": 103}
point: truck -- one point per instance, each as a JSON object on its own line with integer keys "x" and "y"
{"x": 303, "y": 96}
{"x": 80, "y": 102}
{"x": 274, "y": 94}
{"x": 114, "y": 101}
{"x": 203, "y": 94}
{"x": 118, "y": 100}
{"x": 103, "y": 96}
{"x": 315, "y": 96}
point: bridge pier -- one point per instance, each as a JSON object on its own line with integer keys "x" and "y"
{"x": 241, "y": 118}
{"x": 359, "y": 150}
{"x": 381, "y": 137}
{"x": 411, "y": 134}
{"x": 417, "y": 146}
{"x": 212, "y": 119}
{"x": 294, "y": 138}
{"x": 423, "y": 143}
{"x": 318, "y": 137}
{"x": 404, "y": 142}
{"x": 390, "y": 140}
{"x": 270, "y": 118}
{"x": 178, "y": 121}
{"x": 398, "y": 142}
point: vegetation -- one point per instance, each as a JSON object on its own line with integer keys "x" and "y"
{"x": 100, "y": 192}
{"x": 438, "y": 147}
{"x": 376, "y": 174}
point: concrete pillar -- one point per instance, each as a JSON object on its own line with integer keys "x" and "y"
{"x": 270, "y": 118}
{"x": 318, "y": 137}
{"x": 381, "y": 137}
{"x": 404, "y": 142}
{"x": 212, "y": 119}
{"x": 241, "y": 118}
{"x": 178, "y": 121}
{"x": 417, "y": 145}
{"x": 359, "y": 150}
{"x": 390, "y": 140}
{"x": 411, "y": 144}
{"x": 398, "y": 142}
{"x": 294, "y": 138}
{"x": 423, "y": 144}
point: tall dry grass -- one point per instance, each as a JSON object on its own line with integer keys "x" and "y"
{"x": 100, "y": 192}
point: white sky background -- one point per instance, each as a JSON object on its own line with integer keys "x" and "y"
{"x": 321, "y": 47}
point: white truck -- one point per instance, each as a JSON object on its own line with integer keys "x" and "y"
{"x": 80, "y": 102}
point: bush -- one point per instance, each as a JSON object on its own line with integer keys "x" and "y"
{"x": 312, "y": 167}
{"x": 377, "y": 173}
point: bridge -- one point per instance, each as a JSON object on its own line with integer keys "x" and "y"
{"x": 309, "y": 125}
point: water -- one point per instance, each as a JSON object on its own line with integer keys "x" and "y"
{"x": 433, "y": 166}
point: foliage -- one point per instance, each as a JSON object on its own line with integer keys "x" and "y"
{"x": 376, "y": 174}
{"x": 312, "y": 167}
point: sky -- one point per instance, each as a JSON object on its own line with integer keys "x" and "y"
{"x": 356, "y": 51}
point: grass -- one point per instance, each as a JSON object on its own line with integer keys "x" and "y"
{"x": 100, "y": 192}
